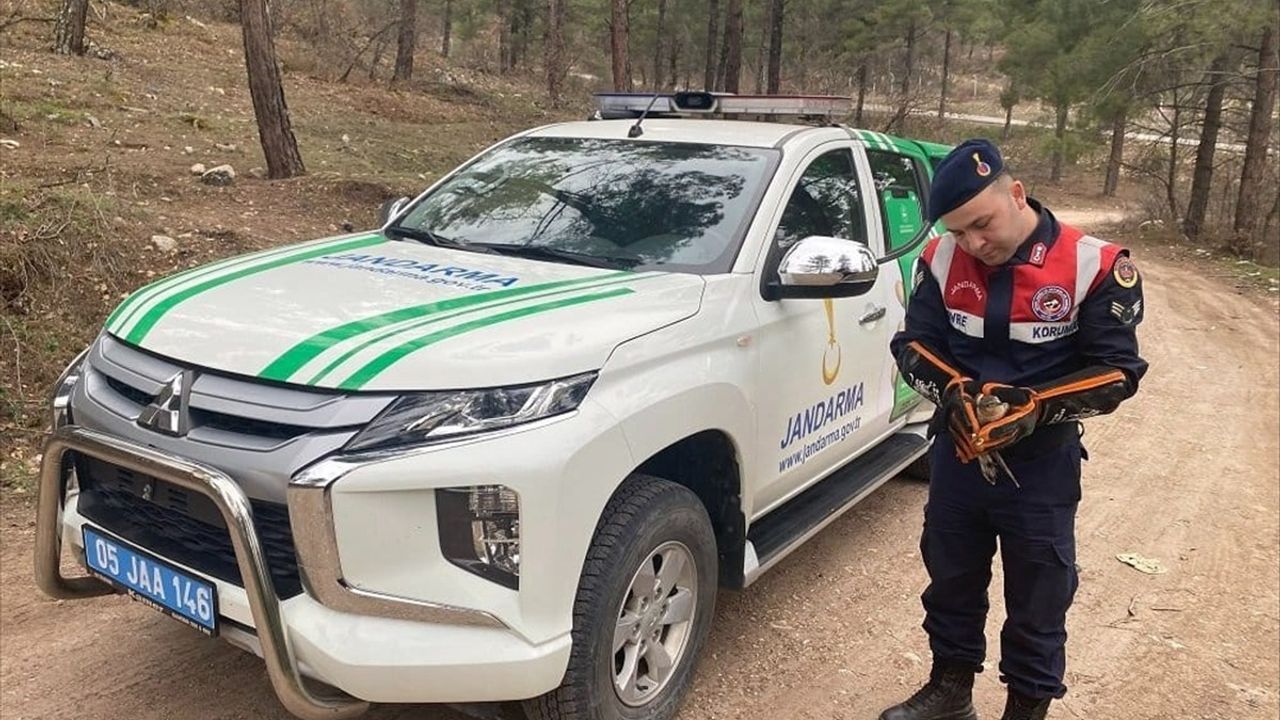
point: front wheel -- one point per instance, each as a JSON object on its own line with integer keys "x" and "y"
{"x": 643, "y": 608}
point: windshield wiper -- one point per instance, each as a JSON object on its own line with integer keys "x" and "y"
{"x": 544, "y": 252}
{"x": 433, "y": 238}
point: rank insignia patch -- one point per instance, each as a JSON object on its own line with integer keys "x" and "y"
{"x": 1126, "y": 313}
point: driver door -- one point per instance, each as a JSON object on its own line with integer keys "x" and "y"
{"x": 822, "y": 398}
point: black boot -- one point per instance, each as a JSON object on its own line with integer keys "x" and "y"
{"x": 947, "y": 696}
{"x": 1021, "y": 707}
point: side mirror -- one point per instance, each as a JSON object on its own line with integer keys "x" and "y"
{"x": 390, "y": 209}
{"x": 826, "y": 267}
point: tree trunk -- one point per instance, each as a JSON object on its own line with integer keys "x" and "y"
{"x": 406, "y": 41}
{"x": 1249, "y": 201}
{"x": 801, "y": 79}
{"x": 777, "y": 9}
{"x": 762, "y": 57}
{"x": 862, "y": 92}
{"x": 378, "y": 49}
{"x": 1059, "y": 134}
{"x": 721, "y": 58}
{"x": 676, "y": 46}
{"x": 910, "y": 60}
{"x": 514, "y": 31}
{"x": 278, "y": 143}
{"x": 619, "y": 37}
{"x": 1202, "y": 176}
{"x": 1267, "y": 249}
{"x": 722, "y": 54}
{"x": 504, "y": 35}
{"x": 657, "y": 45}
{"x": 1171, "y": 177}
{"x": 713, "y": 37}
{"x": 68, "y": 32}
{"x": 446, "y": 29}
{"x": 733, "y": 46}
{"x": 521, "y": 22}
{"x": 555, "y": 49}
{"x": 1008, "y": 101}
{"x": 1118, "y": 126}
{"x": 946, "y": 74}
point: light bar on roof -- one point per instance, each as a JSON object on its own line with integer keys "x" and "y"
{"x": 702, "y": 103}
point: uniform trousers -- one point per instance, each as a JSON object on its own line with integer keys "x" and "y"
{"x": 1035, "y": 528}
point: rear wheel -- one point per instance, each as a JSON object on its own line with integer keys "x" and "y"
{"x": 643, "y": 609}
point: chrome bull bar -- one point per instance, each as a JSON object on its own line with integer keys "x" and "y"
{"x": 277, "y": 652}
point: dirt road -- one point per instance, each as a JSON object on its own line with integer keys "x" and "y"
{"x": 1186, "y": 473}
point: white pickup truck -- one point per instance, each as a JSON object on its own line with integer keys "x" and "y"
{"x": 507, "y": 447}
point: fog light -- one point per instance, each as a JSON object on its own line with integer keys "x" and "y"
{"x": 480, "y": 531}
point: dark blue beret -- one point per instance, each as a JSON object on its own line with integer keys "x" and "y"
{"x": 963, "y": 173}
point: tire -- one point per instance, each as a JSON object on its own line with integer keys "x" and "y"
{"x": 651, "y": 523}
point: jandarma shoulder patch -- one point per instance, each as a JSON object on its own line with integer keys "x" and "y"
{"x": 1125, "y": 272}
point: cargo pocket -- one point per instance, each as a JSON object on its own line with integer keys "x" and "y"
{"x": 1065, "y": 552}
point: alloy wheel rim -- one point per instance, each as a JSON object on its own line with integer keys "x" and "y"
{"x": 654, "y": 623}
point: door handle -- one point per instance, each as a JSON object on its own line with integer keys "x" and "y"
{"x": 873, "y": 313}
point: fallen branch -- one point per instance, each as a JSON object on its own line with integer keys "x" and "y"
{"x": 75, "y": 178}
{"x": 11, "y": 21}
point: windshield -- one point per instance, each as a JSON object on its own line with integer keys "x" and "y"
{"x": 636, "y": 205}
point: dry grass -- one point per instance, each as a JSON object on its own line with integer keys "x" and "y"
{"x": 105, "y": 148}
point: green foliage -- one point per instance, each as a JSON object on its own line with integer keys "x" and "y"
{"x": 1047, "y": 45}
{"x": 1073, "y": 145}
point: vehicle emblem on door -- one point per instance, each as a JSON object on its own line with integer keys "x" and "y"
{"x": 168, "y": 413}
{"x": 829, "y": 372}
{"x": 148, "y": 490}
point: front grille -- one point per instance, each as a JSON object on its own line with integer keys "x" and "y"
{"x": 282, "y": 427}
{"x": 246, "y": 425}
{"x": 133, "y": 394}
{"x": 183, "y": 526}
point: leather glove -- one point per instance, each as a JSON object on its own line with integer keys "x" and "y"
{"x": 1020, "y": 419}
{"x": 959, "y": 407}
{"x": 944, "y": 385}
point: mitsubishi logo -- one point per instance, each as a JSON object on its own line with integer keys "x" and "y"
{"x": 168, "y": 412}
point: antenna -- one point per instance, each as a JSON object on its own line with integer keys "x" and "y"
{"x": 635, "y": 131}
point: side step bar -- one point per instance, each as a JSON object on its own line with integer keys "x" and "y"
{"x": 779, "y": 533}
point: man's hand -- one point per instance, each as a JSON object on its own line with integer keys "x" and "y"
{"x": 1020, "y": 420}
{"x": 960, "y": 408}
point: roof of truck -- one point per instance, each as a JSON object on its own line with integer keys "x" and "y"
{"x": 744, "y": 133}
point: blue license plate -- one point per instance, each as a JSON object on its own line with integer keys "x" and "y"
{"x": 152, "y": 581}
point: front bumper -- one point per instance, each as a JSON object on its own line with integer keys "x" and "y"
{"x": 373, "y": 647}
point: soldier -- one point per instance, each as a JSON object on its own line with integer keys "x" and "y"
{"x": 1014, "y": 305}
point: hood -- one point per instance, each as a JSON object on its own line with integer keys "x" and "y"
{"x": 364, "y": 312}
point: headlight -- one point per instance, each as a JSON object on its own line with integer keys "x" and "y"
{"x": 60, "y": 402}
{"x": 425, "y": 418}
{"x": 480, "y": 531}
